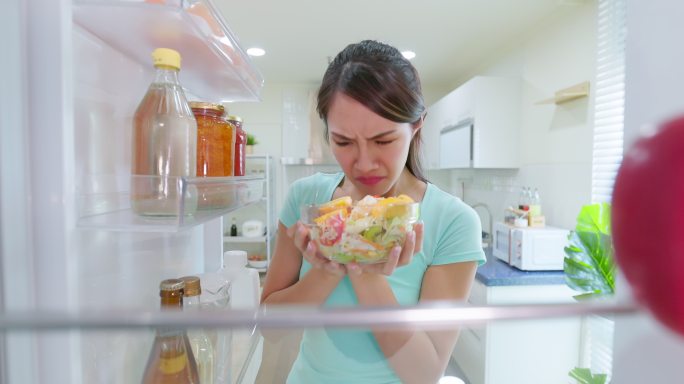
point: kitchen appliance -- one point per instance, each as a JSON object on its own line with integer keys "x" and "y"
{"x": 530, "y": 249}
{"x": 75, "y": 238}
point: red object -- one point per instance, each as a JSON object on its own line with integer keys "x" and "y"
{"x": 332, "y": 232}
{"x": 648, "y": 222}
{"x": 240, "y": 143}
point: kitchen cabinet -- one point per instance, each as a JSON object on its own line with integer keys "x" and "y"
{"x": 519, "y": 352}
{"x": 263, "y": 167}
{"x": 491, "y": 107}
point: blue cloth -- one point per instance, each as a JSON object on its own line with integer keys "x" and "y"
{"x": 452, "y": 234}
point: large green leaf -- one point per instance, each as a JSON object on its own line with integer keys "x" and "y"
{"x": 589, "y": 265}
{"x": 594, "y": 218}
{"x": 584, "y": 376}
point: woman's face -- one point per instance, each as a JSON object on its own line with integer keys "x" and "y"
{"x": 371, "y": 150}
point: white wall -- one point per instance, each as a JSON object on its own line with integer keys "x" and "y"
{"x": 556, "y": 149}
{"x": 271, "y": 122}
{"x": 556, "y": 139}
{"x": 645, "y": 352}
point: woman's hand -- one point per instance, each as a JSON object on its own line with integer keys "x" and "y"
{"x": 399, "y": 256}
{"x": 300, "y": 235}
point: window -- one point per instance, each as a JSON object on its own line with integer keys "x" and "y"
{"x": 597, "y": 346}
{"x": 609, "y": 98}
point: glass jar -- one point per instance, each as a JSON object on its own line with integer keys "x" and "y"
{"x": 215, "y": 137}
{"x": 215, "y": 144}
{"x": 240, "y": 143}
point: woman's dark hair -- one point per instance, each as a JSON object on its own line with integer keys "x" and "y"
{"x": 379, "y": 77}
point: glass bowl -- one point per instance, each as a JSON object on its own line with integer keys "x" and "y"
{"x": 364, "y": 232}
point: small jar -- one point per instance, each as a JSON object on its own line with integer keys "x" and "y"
{"x": 214, "y": 140}
{"x": 215, "y": 144}
{"x": 240, "y": 143}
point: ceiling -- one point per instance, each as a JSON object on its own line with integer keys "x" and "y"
{"x": 450, "y": 37}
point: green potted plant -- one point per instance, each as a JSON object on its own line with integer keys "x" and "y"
{"x": 590, "y": 267}
{"x": 251, "y": 142}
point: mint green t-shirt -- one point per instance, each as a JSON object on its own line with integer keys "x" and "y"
{"x": 452, "y": 234}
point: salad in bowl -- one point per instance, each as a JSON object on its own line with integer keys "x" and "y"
{"x": 364, "y": 232}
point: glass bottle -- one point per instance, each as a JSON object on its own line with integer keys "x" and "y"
{"x": 164, "y": 143}
{"x": 523, "y": 202}
{"x": 240, "y": 143}
{"x": 217, "y": 294}
{"x": 535, "y": 203}
{"x": 233, "y": 228}
{"x": 199, "y": 340}
{"x": 171, "y": 360}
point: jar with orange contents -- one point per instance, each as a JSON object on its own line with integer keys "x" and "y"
{"x": 239, "y": 149}
{"x": 215, "y": 144}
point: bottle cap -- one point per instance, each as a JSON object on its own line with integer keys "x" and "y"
{"x": 166, "y": 57}
{"x": 234, "y": 118}
{"x": 171, "y": 287}
{"x": 192, "y": 286}
{"x": 205, "y": 105}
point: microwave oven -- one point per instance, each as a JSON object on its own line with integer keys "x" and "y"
{"x": 530, "y": 249}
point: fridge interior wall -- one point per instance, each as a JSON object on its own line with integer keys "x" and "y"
{"x": 116, "y": 269}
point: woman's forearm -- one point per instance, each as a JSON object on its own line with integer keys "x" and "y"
{"x": 416, "y": 356}
{"x": 313, "y": 288}
{"x": 418, "y": 359}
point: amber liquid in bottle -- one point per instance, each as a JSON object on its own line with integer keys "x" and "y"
{"x": 164, "y": 145}
{"x": 171, "y": 360}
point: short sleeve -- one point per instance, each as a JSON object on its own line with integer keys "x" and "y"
{"x": 458, "y": 236}
{"x": 460, "y": 240}
{"x": 290, "y": 212}
{"x": 315, "y": 189}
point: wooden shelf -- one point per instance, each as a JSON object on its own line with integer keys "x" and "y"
{"x": 577, "y": 91}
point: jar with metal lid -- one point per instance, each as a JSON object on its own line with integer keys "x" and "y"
{"x": 214, "y": 140}
{"x": 215, "y": 144}
{"x": 240, "y": 143}
{"x": 171, "y": 292}
{"x": 171, "y": 358}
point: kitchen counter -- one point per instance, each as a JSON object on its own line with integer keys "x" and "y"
{"x": 497, "y": 273}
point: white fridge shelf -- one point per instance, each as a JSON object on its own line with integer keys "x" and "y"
{"x": 243, "y": 239}
{"x": 213, "y": 67}
{"x": 203, "y": 199}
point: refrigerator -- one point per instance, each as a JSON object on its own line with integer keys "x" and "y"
{"x": 72, "y": 74}
{"x": 75, "y": 73}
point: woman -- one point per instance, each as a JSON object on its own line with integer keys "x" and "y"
{"x": 371, "y": 102}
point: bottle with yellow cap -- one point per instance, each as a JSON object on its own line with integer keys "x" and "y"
{"x": 171, "y": 360}
{"x": 199, "y": 339}
{"x": 164, "y": 143}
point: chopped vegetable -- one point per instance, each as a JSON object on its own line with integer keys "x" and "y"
{"x": 365, "y": 232}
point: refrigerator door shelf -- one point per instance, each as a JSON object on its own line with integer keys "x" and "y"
{"x": 191, "y": 201}
{"x": 213, "y": 67}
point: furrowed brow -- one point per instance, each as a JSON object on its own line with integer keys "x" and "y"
{"x": 378, "y": 136}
